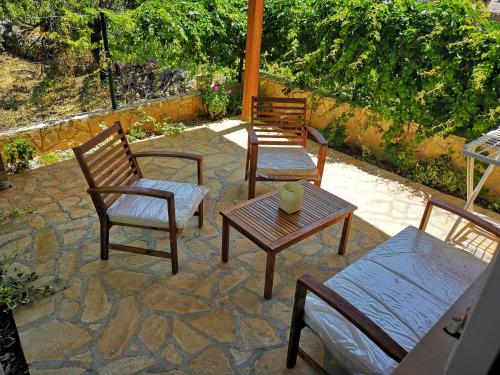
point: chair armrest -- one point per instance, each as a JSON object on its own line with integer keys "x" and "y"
{"x": 317, "y": 136}
{"x": 174, "y": 154}
{"x": 253, "y": 140}
{"x": 353, "y": 315}
{"x": 464, "y": 214}
{"x": 168, "y": 154}
{"x": 132, "y": 190}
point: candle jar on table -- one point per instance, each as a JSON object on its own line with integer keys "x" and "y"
{"x": 291, "y": 197}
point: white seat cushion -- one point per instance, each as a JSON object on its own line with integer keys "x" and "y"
{"x": 152, "y": 212}
{"x": 275, "y": 162}
{"x": 404, "y": 285}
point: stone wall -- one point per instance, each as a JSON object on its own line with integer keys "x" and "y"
{"x": 325, "y": 109}
{"x": 66, "y": 133}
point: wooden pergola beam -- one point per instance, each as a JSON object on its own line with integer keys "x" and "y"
{"x": 252, "y": 55}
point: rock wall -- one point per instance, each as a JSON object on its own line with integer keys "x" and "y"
{"x": 322, "y": 111}
{"x": 66, "y": 133}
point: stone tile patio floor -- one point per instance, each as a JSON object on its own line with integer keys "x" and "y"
{"x": 131, "y": 315}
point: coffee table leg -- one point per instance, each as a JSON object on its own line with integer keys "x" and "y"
{"x": 225, "y": 240}
{"x": 268, "y": 285}
{"x": 345, "y": 234}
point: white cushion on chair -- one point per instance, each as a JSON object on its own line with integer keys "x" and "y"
{"x": 404, "y": 285}
{"x": 275, "y": 162}
{"x": 152, "y": 212}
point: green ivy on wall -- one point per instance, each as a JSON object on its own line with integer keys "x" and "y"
{"x": 434, "y": 63}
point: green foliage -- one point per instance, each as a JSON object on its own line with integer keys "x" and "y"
{"x": 235, "y": 101}
{"x": 17, "y": 212}
{"x": 335, "y": 133}
{"x": 440, "y": 173}
{"x": 19, "y": 153}
{"x": 433, "y": 62}
{"x": 147, "y": 126}
{"x": 53, "y": 157}
{"x": 215, "y": 97}
{"x": 18, "y": 288}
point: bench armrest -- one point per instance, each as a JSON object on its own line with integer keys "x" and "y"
{"x": 464, "y": 214}
{"x": 351, "y": 313}
{"x": 174, "y": 154}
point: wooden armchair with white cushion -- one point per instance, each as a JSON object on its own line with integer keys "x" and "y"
{"x": 372, "y": 313}
{"x": 277, "y": 140}
{"x": 122, "y": 196}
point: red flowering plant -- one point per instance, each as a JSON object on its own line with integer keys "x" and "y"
{"x": 215, "y": 98}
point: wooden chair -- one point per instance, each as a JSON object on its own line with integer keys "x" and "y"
{"x": 122, "y": 196}
{"x": 277, "y": 139}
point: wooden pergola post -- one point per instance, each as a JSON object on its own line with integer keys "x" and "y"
{"x": 252, "y": 55}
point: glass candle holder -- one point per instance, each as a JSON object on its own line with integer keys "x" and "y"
{"x": 291, "y": 197}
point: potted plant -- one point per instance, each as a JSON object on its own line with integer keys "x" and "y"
{"x": 215, "y": 99}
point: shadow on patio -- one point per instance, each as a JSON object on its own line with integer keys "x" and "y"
{"x": 130, "y": 314}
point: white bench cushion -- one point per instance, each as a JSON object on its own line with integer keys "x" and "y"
{"x": 152, "y": 212}
{"x": 404, "y": 285}
{"x": 275, "y": 162}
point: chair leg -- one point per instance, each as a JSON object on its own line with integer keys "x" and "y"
{"x": 200, "y": 215}
{"x": 173, "y": 251}
{"x": 317, "y": 182}
{"x": 104, "y": 238}
{"x": 296, "y": 326}
{"x": 247, "y": 162}
{"x": 251, "y": 186}
{"x": 252, "y": 170}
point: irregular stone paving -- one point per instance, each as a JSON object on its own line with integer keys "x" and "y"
{"x": 131, "y": 315}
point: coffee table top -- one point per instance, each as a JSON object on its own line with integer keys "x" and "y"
{"x": 273, "y": 229}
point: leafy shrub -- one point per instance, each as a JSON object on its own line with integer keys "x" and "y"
{"x": 335, "y": 133}
{"x": 17, "y": 212}
{"x": 54, "y": 157}
{"x": 235, "y": 102}
{"x": 440, "y": 173}
{"x": 19, "y": 153}
{"x": 18, "y": 288}
{"x": 215, "y": 99}
{"x": 147, "y": 126}
{"x": 434, "y": 62}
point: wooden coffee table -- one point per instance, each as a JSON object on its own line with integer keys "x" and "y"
{"x": 273, "y": 230}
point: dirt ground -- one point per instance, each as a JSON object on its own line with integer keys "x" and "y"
{"x": 28, "y": 95}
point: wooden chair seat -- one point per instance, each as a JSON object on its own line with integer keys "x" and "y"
{"x": 285, "y": 162}
{"x": 151, "y": 212}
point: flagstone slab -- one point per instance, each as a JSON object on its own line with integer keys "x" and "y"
{"x": 120, "y": 329}
{"x": 211, "y": 362}
{"x": 158, "y": 297}
{"x": 52, "y": 341}
{"x": 153, "y": 331}
{"x": 188, "y": 339}
{"x": 96, "y": 305}
{"x": 220, "y": 326}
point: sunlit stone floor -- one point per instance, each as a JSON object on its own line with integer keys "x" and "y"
{"x": 130, "y": 315}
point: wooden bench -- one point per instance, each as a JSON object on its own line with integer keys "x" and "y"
{"x": 371, "y": 314}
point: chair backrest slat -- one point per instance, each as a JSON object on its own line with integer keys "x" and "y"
{"x": 106, "y": 160}
{"x": 279, "y": 121}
